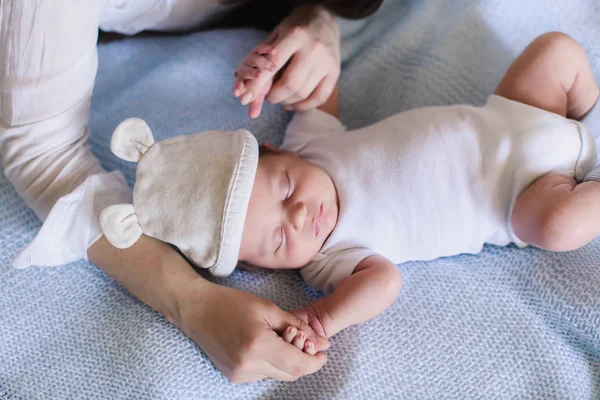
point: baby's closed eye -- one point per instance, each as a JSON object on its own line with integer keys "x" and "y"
{"x": 286, "y": 187}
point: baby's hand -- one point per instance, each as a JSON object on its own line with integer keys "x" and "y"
{"x": 310, "y": 315}
{"x": 297, "y": 337}
{"x": 258, "y": 68}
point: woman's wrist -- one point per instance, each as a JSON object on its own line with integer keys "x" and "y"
{"x": 322, "y": 21}
{"x": 183, "y": 287}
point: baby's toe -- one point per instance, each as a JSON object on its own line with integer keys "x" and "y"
{"x": 289, "y": 334}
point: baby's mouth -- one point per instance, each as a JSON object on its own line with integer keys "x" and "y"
{"x": 317, "y": 221}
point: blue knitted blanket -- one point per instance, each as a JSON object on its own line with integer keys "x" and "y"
{"x": 504, "y": 324}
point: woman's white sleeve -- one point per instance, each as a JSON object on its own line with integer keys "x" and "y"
{"x": 48, "y": 63}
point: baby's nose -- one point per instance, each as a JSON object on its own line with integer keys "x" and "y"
{"x": 298, "y": 215}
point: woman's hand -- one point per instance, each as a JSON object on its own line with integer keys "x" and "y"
{"x": 304, "y": 63}
{"x": 238, "y": 331}
{"x": 241, "y": 334}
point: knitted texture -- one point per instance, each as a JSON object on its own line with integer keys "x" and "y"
{"x": 504, "y": 324}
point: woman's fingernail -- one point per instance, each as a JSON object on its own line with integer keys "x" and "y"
{"x": 300, "y": 335}
{"x": 246, "y": 98}
{"x": 310, "y": 345}
{"x": 292, "y": 330}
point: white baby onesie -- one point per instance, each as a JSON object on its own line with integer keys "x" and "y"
{"x": 432, "y": 182}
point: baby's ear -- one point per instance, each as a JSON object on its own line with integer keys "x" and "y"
{"x": 266, "y": 148}
{"x": 269, "y": 148}
{"x": 132, "y": 139}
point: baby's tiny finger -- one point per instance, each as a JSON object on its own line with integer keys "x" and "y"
{"x": 299, "y": 340}
{"x": 309, "y": 348}
{"x": 238, "y": 88}
{"x": 246, "y": 72}
{"x": 264, "y": 49}
{"x": 289, "y": 334}
{"x": 255, "y": 60}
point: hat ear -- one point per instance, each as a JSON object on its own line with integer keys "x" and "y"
{"x": 120, "y": 225}
{"x": 132, "y": 139}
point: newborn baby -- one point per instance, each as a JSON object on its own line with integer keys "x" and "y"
{"x": 345, "y": 206}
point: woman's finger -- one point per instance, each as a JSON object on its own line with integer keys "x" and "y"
{"x": 287, "y": 359}
{"x": 318, "y": 96}
{"x": 255, "y": 86}
{"x": 255, "y": 107}
{"x": 287, "y": 46}
{"x": 278, "y": 374}
{"x": 294, "y": 76}
{"x": 315, "y": 76}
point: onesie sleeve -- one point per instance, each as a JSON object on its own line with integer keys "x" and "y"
{"x": 309, "y": 125}
{"x": 326, "y": 272}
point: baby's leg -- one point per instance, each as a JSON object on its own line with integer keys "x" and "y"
{"x": 552, "y": 73}
{"x": 555, "y": 212}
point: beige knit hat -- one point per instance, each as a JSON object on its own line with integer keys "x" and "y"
{"x": 191, "y": 191}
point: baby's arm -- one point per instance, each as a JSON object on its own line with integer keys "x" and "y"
{"x": 372, "y": 287}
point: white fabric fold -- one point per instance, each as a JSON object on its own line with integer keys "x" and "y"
{"x": 73, "y": 225}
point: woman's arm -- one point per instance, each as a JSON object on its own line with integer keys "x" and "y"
{"x": 331, "y": 106}
{"x": 48, "y": 63}
{"x": 238, "y": 331}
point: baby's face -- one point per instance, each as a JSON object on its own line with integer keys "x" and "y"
{"x": 293, "y": 209}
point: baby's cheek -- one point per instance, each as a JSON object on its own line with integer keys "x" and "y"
{"x": 303, "y": 252}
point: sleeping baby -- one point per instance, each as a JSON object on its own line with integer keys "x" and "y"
{"x": 345, "y": 206}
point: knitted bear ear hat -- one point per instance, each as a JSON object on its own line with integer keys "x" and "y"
{"x": 191, "y": 191}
